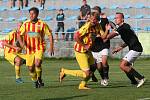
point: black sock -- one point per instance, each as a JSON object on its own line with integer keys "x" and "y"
{"x": 100, "y": 70}
{"x": 136, "y": 74}
{"x": 93, "y": 68}
{"x": 105, "y": 72}
{"x": 131, "y": 77}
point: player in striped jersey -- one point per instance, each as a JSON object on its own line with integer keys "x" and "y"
{"x": 84, "y": 38}
{"x": 33, "y": 31}
{"x": 12, "y": 52}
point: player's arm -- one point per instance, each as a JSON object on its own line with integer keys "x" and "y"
{"x": 119, "y": 48}
{"x": 12, "y": 46}
{"x": 21, "y": 31}
{"x": 48, "y": 32}
{"x": 20, "y": 39}
{"x": 104, "y": 34}
{"x": 78, "y": 39}
{"x": 51, "y": 49}
{"x": 111, "y": 35}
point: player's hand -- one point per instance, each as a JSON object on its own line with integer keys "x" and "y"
{"x": 105, "y": 40}
{"x": 107, "y": 27}
{"x": 18, "y": 49}
{"x": 86, "y": 47}
{"x": 116, "y": 50}
{"x": 51, "y": 51}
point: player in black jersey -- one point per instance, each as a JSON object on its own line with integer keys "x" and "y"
{"x": 100, "y": 51}
{"x": 135, "y": 49}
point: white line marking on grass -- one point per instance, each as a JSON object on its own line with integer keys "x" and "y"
{"x": 144, "y": 99}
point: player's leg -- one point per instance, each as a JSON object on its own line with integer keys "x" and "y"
{"x": 30, "y": 63}
{"x": 12, "y": 58}
{"x": 82, "y": 59}
{"x": 17, "y": 61}
{"x": 126, "y": 63}
{"x": 77, "y": 73}
{"x": 38, "y": 66}
{"x": 98, "y": 59}
{"x": 105, "y": 66}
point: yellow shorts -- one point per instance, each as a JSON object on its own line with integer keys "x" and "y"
{"x": 84, "y": 60}
{"x": 30, "y": 58}
{"x": 11, "y": 57}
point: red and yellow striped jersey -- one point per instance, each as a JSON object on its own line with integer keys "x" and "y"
{"x": 88, "y": 34}
{"x": 11, "y": 39}
{"x": 34, "y": 34}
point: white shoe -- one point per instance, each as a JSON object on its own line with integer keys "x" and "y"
{"x": 104, "y": 82}
{"x": 141, "y": 82}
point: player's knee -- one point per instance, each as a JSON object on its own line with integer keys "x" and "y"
{"x": 18, "y": 61}
{"x": 122, "y": 66}
{"x": 104, "y": 63}
{"x": 38, "y": 63}
{"x": 31, "y": 69}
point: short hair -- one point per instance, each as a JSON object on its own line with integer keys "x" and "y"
{"x": 120, "y": 14}
{"x": 36, "y": 10}
{"x": 61, "y": 10}
{"x": 97, "y": 8}
{"x": 96, "y": 15}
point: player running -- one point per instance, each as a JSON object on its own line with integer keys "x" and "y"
{"x": 84, "y": 39}
{"x": 33, "y": 31}
{"x": 135, "y": 49}
{"x": 12, "y": 52}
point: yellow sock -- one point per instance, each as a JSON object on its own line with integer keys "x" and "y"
{"x": 78, "y": 73}
{"x": 38, "y": 71}
{"x": 17, "y": 70}
{"x": 84, "y": 82}
{"x": 33, "y": 76}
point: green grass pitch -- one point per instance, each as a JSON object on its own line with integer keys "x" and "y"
{"x": 119, "y": 86}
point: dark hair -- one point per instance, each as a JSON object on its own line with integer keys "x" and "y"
{"x": 97, "y": 8}
{"x": 61, "y": 10}
{"x": 96, "y": 15}
{"x": 120, "y": 14}
{"x": 36, "y": 10}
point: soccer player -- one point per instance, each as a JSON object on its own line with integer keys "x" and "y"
{"x": 100, "y": 51}
{"x": 12, "y": 52}
{"x": 84, "y": 38}
{"x": 33, "y": 31}
{"x": 135, "y": 49}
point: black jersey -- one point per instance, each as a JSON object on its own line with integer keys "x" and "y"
{"x": 99, "y": 45}
{"x": 129, "y": 37}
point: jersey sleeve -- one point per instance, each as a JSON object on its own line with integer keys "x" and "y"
{"x": 9, "y": 37}
{"x": 22, "y": 29}
{"x": 84, "y": 29}
{"x": 47, "y": 30}
{"x": 101, "y": 30}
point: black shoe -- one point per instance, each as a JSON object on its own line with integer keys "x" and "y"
{"x": 40, "y": 82}
{"x": 36, "y": 84}
{"x": 94, "y": 79}
{"x": 134, "y": 82}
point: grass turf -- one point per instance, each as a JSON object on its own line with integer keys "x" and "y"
{"x": 119, "y": 86}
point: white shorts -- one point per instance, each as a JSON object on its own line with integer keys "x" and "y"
{"x": 98, "y": 55}
{"x": 131, "y": 56}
